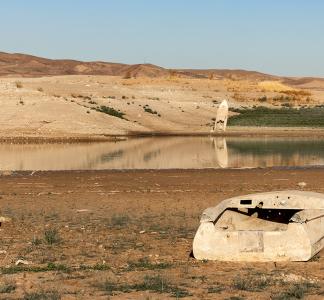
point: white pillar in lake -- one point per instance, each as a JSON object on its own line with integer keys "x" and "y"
{"x": 221, "y": 117}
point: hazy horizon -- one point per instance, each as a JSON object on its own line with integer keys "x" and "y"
{"x": 279, "y": 38}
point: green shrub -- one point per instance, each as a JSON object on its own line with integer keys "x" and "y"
{"x": 282, "y": 117}
{"x": 110, "y": 111}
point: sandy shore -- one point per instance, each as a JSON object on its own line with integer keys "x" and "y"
{"x": 230, "y": 132}
{"x": 89, "y": 234}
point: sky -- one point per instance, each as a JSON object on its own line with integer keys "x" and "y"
{"x": 281, "y": 37}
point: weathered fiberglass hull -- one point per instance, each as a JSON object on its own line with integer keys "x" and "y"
{"x": 274, "y": 226}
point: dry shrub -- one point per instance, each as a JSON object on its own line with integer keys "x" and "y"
{"x": 274, "y": 86}
{"x": 18, "y": 84}
{"x": 297, "y": 93}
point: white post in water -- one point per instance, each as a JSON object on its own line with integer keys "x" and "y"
{"x": 221, "y": 117}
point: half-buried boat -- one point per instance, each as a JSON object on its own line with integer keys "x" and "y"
{"x": 272, "y": 226}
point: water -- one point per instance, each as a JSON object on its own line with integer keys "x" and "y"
{"x": 166, "y": 153}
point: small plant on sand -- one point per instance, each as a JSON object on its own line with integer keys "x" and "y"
{"x": 263, "y": 99}
{"x": 40, "y": 89}
{"x": 7, "y": 287}
{"x": 159, "y": 284}
{"x": 145, "y": 264}
{"x": 214, "y": 289}
{"x": 51, "y": 236}
{"x": 154, "y": 283}
{"x": 18, "y": 84}
{"x": 119, "y": 220}
{"x": 100, "y": 267}
{"x": 150, "y": 110}
{"x": 296, "y": 291}
{"x": 36, "y": 241}
{"x": 253, "y": 283}
{"x": 42, "y": 295}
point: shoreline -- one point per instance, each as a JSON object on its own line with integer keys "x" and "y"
{"x": 301, "y": 132}
{"x": 18, "y": 173}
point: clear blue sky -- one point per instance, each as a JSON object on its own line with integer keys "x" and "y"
{"x": 284, "y": 37}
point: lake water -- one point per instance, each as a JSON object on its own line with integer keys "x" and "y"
{"x": 165, "y": 153}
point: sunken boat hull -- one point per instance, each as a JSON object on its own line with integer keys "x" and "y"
{"x": 275, "y": 226}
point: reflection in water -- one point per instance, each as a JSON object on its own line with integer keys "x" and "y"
{"x": 221, "y": 151}
{"x": 165, "y": 153}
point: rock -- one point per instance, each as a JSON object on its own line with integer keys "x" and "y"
{"x": 22, "y": 262}
{"x": 4, "y": 219}
{"x": 83, "y": 210}
{"x": 302, "y": 184}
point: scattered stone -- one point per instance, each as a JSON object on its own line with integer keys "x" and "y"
{"x": 22, "y": 262}
{"x": 141, "y": 232}
{"x": 4, "y": 219}
{"x": 83, "y": 210}
{"x": 302, "y": 184}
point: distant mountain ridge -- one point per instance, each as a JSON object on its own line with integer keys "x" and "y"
{"x": 25, "y": 65}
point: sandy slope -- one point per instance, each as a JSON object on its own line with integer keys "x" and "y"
{"x": 65, "y": 105}
{"x": 62, "y": 105}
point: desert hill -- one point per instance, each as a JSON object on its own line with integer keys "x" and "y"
{"x": 13, "y": 65}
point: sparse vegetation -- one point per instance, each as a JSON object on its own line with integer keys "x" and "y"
{"x": 119, "y": 220}
{"x": 42, "y": 295}
{"x": 295, "y": 291}
{"x": 296, "y": 93}
{"x": 110, "y": 111}
{"x": 154, "y": 283}
{"x": 147, "y": 109}
{"x": 40, "y": 89}
{"x": 52, "y": 267}
{"x": 19, "y": 84}
{"x": 51, "y": 236}
{"x": 36, "y": 241}
{"x": 7, "y": 287}
{"x": 157, "y": 283}
{"x": 263, "y": 99}
{"x": 36, "y": 269}
{"x": 216, "y": 288}
{"x": 253, "y": 283}
{"x": 145, "y": 264}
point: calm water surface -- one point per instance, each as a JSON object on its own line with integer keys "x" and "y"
{"x": 166, "y": 153}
